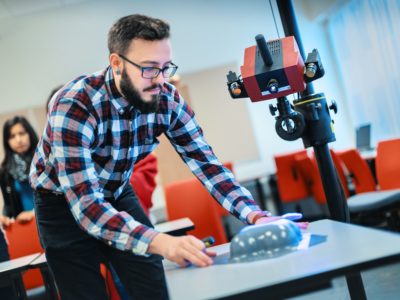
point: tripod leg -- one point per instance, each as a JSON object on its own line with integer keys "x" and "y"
{"x": 338, "y": 209}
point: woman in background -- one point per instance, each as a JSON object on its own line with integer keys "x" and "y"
{"x": 19, "y": 140}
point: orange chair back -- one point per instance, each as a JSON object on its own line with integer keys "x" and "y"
{"x": 23, "y": 239}
{"x": 360, "y": 173}
{"x": 189, "y": 198}
{"x": 309, "y": 169}
{"x": 388, "y": 164}
{"x": 291, "y": 184}
{"x": 112, "y": 290}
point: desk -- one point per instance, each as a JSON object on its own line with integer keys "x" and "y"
{"x": 347, "y": 249}
{"x": 176, "y": 227}
{"x": 10, "y": 271}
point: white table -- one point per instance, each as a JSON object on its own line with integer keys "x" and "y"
{"x": 176, "y": 227}
{"x": 11, "y": 272}
{"x": 348, "y": 249}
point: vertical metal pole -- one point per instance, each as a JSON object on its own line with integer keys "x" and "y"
{"x": 332, "y": 186}
{"x": 333, "y": 190}
{"x": 289, "y": 24}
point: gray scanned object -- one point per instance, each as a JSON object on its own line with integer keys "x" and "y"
{"x": 263, "y": 241}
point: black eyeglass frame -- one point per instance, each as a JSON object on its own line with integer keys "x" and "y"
{"x": 159, "y": 70}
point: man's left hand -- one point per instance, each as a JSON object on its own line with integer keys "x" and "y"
{"x": 289, "y": 216}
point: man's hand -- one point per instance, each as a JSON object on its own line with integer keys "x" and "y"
{"x": 182, "y": 250}
{"x": 301, "y": 225}
{"x": 25, "y": 216}
{"x": 269, "y": 219}
{"x": 6, "y": 221}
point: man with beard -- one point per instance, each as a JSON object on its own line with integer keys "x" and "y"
{"x": 98, "y": 126}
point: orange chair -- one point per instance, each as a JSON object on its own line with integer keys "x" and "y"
{"x": 359, "y": 171}
{"x": 189, "y": 198}
{"x": 23, "y": 239}
{"x": 367, "y": 208}
{"x": 309, "y": 169}
{"x": 291, "y": 184}
{"x": 112, "y": 290}
{"x": 290, "y": 192}
{"x": 388, "y": 164}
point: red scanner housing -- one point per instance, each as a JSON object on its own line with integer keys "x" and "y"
{"x": 286, "y": 73}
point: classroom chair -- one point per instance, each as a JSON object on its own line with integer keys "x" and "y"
{"x": 358, "y": 170}
{"x": 388, "y": 164}
{"x": 293, "y": 193}
{"x": 189, "y": 198}
{"x": 381, "y": 207}
{"x": 23, "y": 239}
{"x": 291, "y": 184}
{"x": 369, "y": 206}
{"x": 309, "y": 170}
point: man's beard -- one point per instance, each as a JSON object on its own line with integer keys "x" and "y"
{"x": 131, "y": 94}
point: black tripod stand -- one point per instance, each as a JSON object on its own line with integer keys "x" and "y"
{"x": 309, "y": 119}
{"x": 276, "y": 69}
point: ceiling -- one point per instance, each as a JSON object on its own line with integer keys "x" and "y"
{"x": 16, "y": 8}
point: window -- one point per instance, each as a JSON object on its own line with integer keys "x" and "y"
{"x": 366, "y": 39}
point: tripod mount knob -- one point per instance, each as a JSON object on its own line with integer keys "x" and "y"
{"x": 333, "y": 106}
{"x": 291, "y": 127}
{"x": 272, "y": 109}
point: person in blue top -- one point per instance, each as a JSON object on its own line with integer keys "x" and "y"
{"x": 19, "y": 140}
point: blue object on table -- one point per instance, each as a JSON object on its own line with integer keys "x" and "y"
{"x": 292, "y": 216}
{"x": 262, "y": 241}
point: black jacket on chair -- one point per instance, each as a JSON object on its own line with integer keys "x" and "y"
{"x": 12, "y": 202}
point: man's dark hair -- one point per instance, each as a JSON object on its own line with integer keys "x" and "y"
{"x": 135, "y": 27}
{"x": 53, "y": 91}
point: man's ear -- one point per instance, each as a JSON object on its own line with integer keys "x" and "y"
{"x": 115, "y": 63}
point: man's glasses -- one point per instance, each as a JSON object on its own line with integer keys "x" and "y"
{"x": 153, "y": 72}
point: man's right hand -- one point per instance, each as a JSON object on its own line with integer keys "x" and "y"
{"x": 181, "y": 250}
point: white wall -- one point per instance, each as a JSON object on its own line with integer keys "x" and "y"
{"x": 314, "y": 35}
{"x": 42, "y": 50}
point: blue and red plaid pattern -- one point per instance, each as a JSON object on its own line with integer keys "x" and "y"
{"x": 91, "y": 141}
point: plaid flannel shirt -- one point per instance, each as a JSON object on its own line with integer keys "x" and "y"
{"x": 91, "y": 141}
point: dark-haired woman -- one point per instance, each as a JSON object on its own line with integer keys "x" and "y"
{"x": 19, "y": 140}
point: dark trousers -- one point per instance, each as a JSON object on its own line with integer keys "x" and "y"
{"x": 74, "y": 256}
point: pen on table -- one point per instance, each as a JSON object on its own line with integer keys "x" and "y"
{"x": 208, "y": 241}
